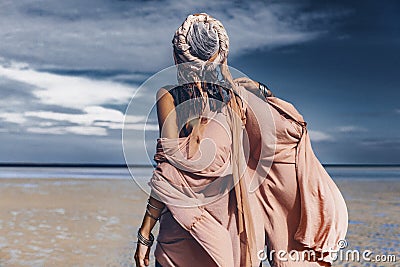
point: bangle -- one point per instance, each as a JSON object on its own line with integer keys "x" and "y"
{"x": 263, "y": 89}
{"x": 144, "y": 241}
{"x": 152, "y": 206}
{"x": 151, "y": 215}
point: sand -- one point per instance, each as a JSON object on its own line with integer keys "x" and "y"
{"x": 89, "y": 222}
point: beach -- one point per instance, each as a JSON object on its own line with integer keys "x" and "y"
{"x": 93, "y": 222}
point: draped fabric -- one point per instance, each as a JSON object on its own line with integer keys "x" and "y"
{"x": 197, "y": 191}
{"x": 303, "y": 208}
{"x": 297, "y": 204}
{"x": 324, "y": 216}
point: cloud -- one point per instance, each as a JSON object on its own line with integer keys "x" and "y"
{"x": 141, "y": 127}
{"x": 351, "y": 129}
{"x": 79, "y": 130}
{"x": 319, "y": 136}
{"x": 135, "y": 35}
{"x": 92, "y": 118}
{"x": 12, "y": 117}
{"x": 389, "y": 143}
{"x": 81, "y": 98}
{"x": 90, "y": 115}
{"x": 67, "y": 91}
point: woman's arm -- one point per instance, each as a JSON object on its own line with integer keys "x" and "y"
{"x": 168, "y": 128}
{"x": 153, "y": 212}
{"x": 166, "y": 114}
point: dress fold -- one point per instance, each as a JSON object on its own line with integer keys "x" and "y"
{"x": 304, "y": 209}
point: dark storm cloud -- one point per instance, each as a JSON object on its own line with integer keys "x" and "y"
{"x": 135, "y": 35}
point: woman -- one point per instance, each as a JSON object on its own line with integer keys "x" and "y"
{"x": 300, "y": 207}
{"x": 202, "y": 221}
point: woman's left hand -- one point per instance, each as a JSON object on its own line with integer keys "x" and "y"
{"x": 142, "y": 255}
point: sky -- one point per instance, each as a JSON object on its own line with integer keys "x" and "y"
{"x": 68, "y": 70}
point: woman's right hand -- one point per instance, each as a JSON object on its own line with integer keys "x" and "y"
{"x": 142, "y": 255}
{"x": 248, "y": 84}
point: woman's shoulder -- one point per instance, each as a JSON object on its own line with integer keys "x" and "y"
{"x": 169, "y": 88}
{"x": 174, "y": 92}
{"x": 165, "y": 93}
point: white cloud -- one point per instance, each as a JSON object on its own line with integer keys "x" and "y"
{"x": 128, "y": 126}
{"x": 92, "y": 114}
{"x": 45, "y": 124}
{"x": 80, "y": 130}
{"x": 141, "y": 127}
{"x": 13, "y": 117}
{"x": 84, "y": 94}
{"x": 318, "y": 136}
{"x": 94, "y": 117}
{"x": 351, "y": 129}
{"x": 68, "y": 91}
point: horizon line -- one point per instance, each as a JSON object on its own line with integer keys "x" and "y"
{"x": 122, "y": 165}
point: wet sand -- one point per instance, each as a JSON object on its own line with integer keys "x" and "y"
{"x": 89, "y": 222}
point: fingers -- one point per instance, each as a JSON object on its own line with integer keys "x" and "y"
{"x": 242, "y": 80}
{"x": 142, "y": 256}
{"x": 247, "y": 83}
{"x": 137, "y": 260}
{"x": 146, "y": 258}
{"x": 140, "y": 262}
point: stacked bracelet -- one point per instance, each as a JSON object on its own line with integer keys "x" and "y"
{"x": 153, "y": 207}
{"x": 144, "y": 241}
{"x": 151, "y": 215}
{"x": 263, "y": 89}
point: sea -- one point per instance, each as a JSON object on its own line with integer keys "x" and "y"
{"x": 143, "y": 173}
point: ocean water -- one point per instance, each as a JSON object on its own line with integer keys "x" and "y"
{"x": 142, "y": 173}
{"x": 386, "y": 173}
{"x": 75, "y": 172}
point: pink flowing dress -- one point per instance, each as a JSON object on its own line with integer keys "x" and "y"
{"x": 203, "y": 234}
{"x": 303, "y": 208}
{"x": 296, "y": 207}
